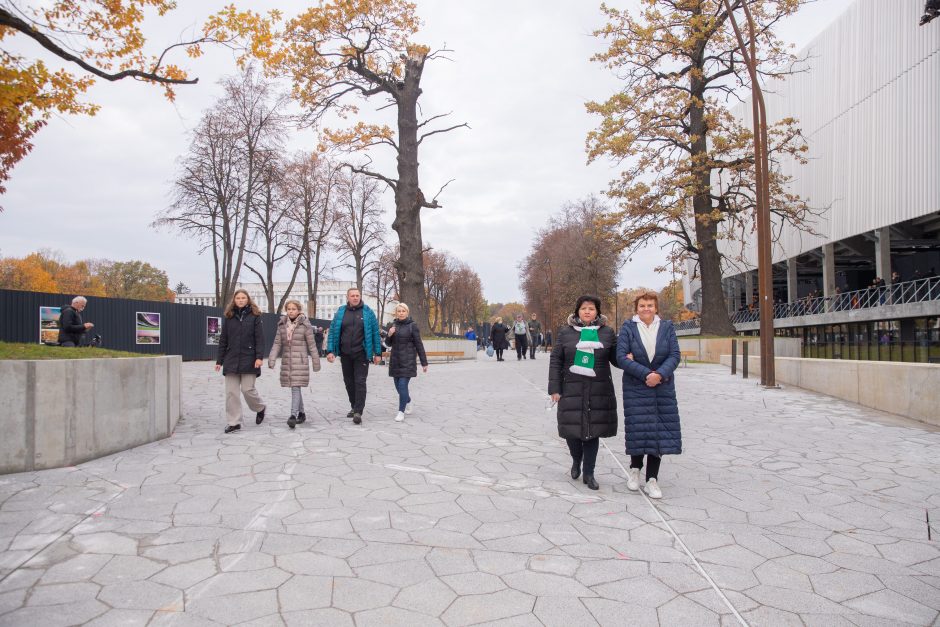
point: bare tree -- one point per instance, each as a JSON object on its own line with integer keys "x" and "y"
{"x": 576, "y": 253}
{"x": 384, "y": 280}
{"x": 310, "y": 183}
{"x": 360, "y": 224}
{"x": 272, "y": 230}
{"x": 219, "y": 177}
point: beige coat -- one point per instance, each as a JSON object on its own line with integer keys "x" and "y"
{"x": 295, "y": 368}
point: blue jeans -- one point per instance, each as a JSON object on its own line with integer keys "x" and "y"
{"x": 401, "y": 384}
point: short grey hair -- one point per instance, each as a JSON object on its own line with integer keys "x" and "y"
{"x": 79, "y": 300}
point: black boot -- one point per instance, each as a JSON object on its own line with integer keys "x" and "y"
{"x": 259, "y": 417}
{"x": 292, "y": 422}
{"x": 351, "y": 412}
{"x": 357, "y": 418}
{"x": 231, "y": 428}
{"x": 301, "y": 418}
{"x": 589, "y": 482}
{"x": 575, "y": 468}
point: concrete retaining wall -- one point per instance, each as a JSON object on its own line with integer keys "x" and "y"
{"x": 906, "y": 389}
{"x": 710, "y": 350}
{"x": 66, "y": 411}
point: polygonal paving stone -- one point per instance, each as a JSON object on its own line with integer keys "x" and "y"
{"x": 78, "y": 568}
{"x": 394, "y": 617}
{"x": 354, "y": 595}
{"x": 183, "y": 576}
{"x": 56, "y": 594}
{"x": 473, "y": 583}
{"x": 429, "y": 597}
{"x": 682, "y": 611}
{"x": 55, "y": 615}
{"x": 304, "y": 592}
{"x": 890, "y": 605}
{"x": 237, "y": 582}
{"x": 562, "y": 612}
{"x": 324, "y": 617}
{"x": 544, "y": 584}
{"x": 122, "y": 618}
{"x": 142, "y": 595}
{"x": 107, "y": 543}
{"x": 314, "y": 564}
{"x": 844, "y": 584}
{"x": 399, "y": 574}
{"x": 610, "y": 613}
{"x": 642, "y": 591}
{"x": 235, "y": 608}
{"x": 480, "y": 608}
{"x": 124, "y": 568}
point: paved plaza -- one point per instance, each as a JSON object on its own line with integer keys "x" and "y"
{"x": 787, "y": 508}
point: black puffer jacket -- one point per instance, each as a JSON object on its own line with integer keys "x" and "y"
{"x": 241, "y": 343}
{"x": 406, "y": 347}
{"x": 588, "y": 405}
{"x": 498, "y": 335}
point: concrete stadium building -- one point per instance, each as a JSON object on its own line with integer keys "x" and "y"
{"x": 869, "y": 108}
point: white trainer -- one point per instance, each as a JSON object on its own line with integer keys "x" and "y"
{"x": 652, "y": 489}
{"x": 408, "y": 409}
{"x": 633, "y": 479}
{"x": 400, "y": 416}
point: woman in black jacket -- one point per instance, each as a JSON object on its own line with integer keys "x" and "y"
{"x": 498, "y": 335}
{"x": 241, "y": 348}
{"x": 404, "y": 340}
{"x": 579, "y": 380}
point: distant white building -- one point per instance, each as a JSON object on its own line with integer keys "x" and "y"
{"x": 330, "y": 296}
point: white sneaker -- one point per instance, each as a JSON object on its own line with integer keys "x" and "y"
{"x": 633, "y": 479}
{"x": 400, "y": 416}
{"x": 408, "y": 409}
{"x": 652, "y": 489}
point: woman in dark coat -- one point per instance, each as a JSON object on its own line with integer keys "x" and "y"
{"x": 648, "y": 352}
{"x": 404, "y": 340}
{"x": 579, "y": 380}
{"x": 498, "y": 335}
{"x": 241, "y": 346}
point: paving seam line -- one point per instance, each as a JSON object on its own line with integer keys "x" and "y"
{"x": 88, "y": 515}
{"x": 662, "y": 518}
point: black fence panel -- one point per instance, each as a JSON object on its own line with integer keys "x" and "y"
{"x": 183, "y": 329}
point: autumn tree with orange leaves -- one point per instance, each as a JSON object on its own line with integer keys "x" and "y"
{"x": 98, "y": 39}
{"x": 688, "y": 172}
{"x": 338, "y": 54}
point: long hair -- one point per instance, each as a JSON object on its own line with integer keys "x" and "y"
{"x": 230, "y": 310}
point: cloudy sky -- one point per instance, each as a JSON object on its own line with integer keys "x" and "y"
{"x": 519, "y": 76}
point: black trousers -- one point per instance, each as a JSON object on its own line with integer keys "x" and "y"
{"x": 522, "y": 346}
{"x": 584, "y": 451}
{"x": 499, "y": 354}
{"x": 355, "y": 371}
{"x": 652, "y": 465}
{"x": 532, "y": 348}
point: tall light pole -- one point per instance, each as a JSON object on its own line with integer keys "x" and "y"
{"x": 762, "y": 197}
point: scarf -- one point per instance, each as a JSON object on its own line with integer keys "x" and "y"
{"x": 584, "y": 355}
{"x": 291, "y": 325}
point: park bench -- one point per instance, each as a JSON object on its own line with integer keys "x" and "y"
{"x": 447, "y": 355}
{"x": 685, "y": 356}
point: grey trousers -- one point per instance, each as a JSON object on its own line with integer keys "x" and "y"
{"x": 237, "y": 385}
{"x": 296, "y": 401}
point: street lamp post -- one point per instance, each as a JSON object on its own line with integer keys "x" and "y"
{"x": 762, "y": 197}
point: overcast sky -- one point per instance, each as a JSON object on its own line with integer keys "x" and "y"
{"x": 520, "y": 76}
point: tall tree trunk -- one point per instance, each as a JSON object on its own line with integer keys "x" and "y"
{"x": 715, "y": 320}
{"x": 408, "y": 198}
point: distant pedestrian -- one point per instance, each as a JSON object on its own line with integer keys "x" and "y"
{"x": 521, "y": 333}
{"x": 498, "y": 334}
{"x": 404, "y": 340}
{"x": 535, "y": 334}
{"x": 241, "y": 349}
{"x": 471, "y": 334}
{"x": 548, "y": 340}
{"x": 648, "y": 352}
{"x": 318, "y": 339}
{"x": 579, "y": 381}
{"x": 354, "y": 336}
{"x": 72, "y": 328}
{"x": 294, "y": 341}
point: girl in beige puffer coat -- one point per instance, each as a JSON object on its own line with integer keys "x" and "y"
{"x": 294, "y": 342}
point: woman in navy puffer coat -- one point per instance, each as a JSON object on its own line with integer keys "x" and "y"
{"x": 648, "y": 353}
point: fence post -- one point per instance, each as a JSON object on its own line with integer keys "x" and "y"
{"x": 744, "y": 359}
{"x": 734, "y": 357}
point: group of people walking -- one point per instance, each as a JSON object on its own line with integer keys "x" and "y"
{"x": 353, "y": 337}
{"x": 526, "y": 335}
{"x": 580, "y": 381}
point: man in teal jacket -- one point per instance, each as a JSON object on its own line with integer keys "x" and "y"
{"x": 354, "y": 336}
